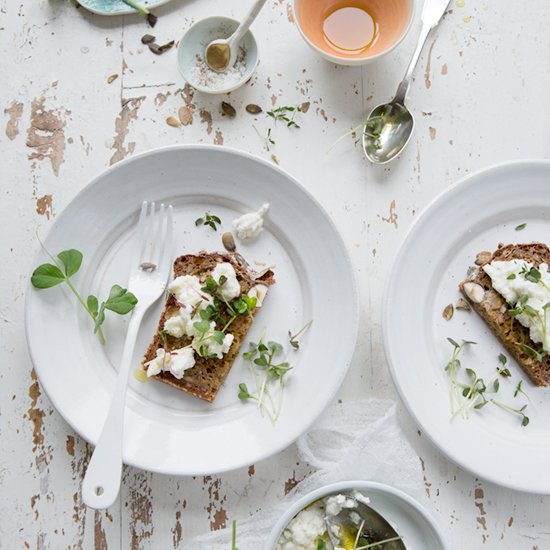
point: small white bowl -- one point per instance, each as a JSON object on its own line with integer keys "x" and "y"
{"x": 355, "y": 61}
{"x": 194, "y": 42}
{"x": 408, "y": 517}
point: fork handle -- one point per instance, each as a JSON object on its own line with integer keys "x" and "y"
{"x": 101, "y": 483}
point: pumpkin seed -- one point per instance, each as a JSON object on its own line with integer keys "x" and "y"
{"x": 147, "y": 39}
{"x": 253, "y": 109}
{"x": 228, "y": 109}
{"x": 228, "y": 241}
{"x": 448, "y": 312}
{"x": 112, "y": 78}
{"x": 173, "y": 121}
{"x": 462, "y": 304}
{"x": 483, "y": 257}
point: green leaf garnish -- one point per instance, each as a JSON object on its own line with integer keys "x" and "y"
{"x": 49, "y": 275}
{"x": 210, "y": 220}
{"x": 521, "y": 226}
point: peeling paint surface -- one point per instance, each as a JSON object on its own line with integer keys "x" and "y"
{"x": 65, "y": 120}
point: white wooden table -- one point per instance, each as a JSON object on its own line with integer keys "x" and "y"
{"x": 480, "y": 97}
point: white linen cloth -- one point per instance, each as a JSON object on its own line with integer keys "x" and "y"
{"x": 360, "y": 440}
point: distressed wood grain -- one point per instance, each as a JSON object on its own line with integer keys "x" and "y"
{"x": 65, "y": 119}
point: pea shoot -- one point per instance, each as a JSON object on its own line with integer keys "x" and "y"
{"x": 66, "y": 265}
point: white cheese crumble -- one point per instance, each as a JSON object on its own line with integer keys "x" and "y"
{"x": 187, "y": 289}
{"x": 231, "y": 288}
{"x": 513, "y": 280}
{"x": 301, "y": 532}
{"x": 176, "y": 362}
{"x": 251, "y": 224}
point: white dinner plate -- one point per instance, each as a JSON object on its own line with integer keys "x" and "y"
{"x": 471, "y": 216}
{"x": 167, "y": 430}
{"x": 411, "y": 520}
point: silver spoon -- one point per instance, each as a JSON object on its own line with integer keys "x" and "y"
{"x": 349, "y": 520}
{"x": 389, "y": 127}
{"x": 221, "y": 54}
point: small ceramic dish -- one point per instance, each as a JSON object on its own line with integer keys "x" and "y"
{"x": 191, "y": 56}
{"x": 408, "y": 517}
{"x": 309, "y": 14}
{"x": 118, "y": 7}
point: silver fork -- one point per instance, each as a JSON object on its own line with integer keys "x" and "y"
{"x": 149, "y": 274}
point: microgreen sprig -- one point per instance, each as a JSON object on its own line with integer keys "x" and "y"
{"x": 263, "y": 357}
{"x": 66, "y": 265}
{"x": 285, "y": 114}
{"x": 472, "y": 395}
{"x": 234, "y": 535}
{"x": 210, "y": 220}
{"x": 142, "y": 10}
{"x": 293, "y": 338}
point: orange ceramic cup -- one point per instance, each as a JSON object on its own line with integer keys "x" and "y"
{"x": 353, "y": 32}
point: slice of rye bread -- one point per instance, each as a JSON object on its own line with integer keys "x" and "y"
{"x": 494, "y": 310}
{"x": 205, "y": 378}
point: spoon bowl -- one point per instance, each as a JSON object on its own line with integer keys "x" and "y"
{"x": 387, "y": 131}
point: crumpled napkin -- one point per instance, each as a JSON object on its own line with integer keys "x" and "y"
{"x": 360, "y": 440}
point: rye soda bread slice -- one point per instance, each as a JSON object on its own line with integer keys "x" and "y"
{"x": 492, "y": 307}
{"x": 205, "y": 378}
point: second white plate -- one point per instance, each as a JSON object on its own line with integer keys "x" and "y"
{"x": 167, "y": 430}
{"x": 471, "y": 216}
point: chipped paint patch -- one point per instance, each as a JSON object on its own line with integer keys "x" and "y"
{"x": 218, "y": 138}
{"x": 392, "y": 216}
{"x": 46, "y": 134}
{"x": 206, "y": 118}
{"x": 289, "y": 14}
{"x": 160, "y": 98}
{"x": 100, "y": 540}
{"x": 291, "y": 482}
{"x": 304, "y": 107}
{"x": 177, "y": 531}
{"x": 128, "y": 113}
{"x": 44, "y": 206}
{"x": 444, "y": 69}
{"x": 185, "y": 114}
{"x": 217, "y": 514}
{"x": 141, "y": 508}
{"x": 14, "y": 112}
{"x": 35, "y": 414}
{"x": 433, "y": 132}
{"x": 427, "y": 81}
{"x": 70, "y": 445}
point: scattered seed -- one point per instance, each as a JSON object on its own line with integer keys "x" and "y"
{"x": 173, "y": 121}
{"x": 158, "y": 50}
{"x": 448, "y": 312}
{"x": 152, "y": 19}
{"x": 483, "y": 257}
{"x": 229, "y": 242}
{"x": 112, "y": 78}
{"x": 475, "y": 292}
{"x": 462, "y": 304}
{"x": 253, "y": 109}
{"x": 228, "y": 109}
{"x": 147, "y": 39}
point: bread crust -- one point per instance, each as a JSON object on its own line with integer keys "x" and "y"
{"x": 205, "y": 378}
{"x": 494, "y": 309}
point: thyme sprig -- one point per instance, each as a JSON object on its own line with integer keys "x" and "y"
{"x": 210, "y": 220}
